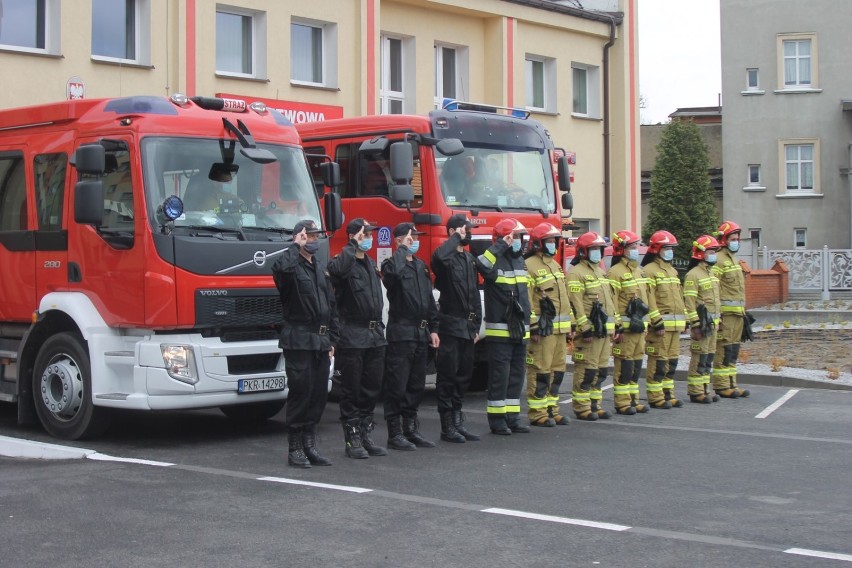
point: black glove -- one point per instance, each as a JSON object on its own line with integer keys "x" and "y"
{"x": 598, "y": 318}
{"x": 588, "y": 334}
{"x": 705, "y": 320}
{"x": 748, "y": 334}
{"x": 515, "y": 320}
{"x": 636, "y": 311}
{"x": 545, "y": 320}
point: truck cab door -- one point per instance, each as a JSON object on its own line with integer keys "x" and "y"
{"x": 52, "y": 180}
{"x": 17, "y": 241}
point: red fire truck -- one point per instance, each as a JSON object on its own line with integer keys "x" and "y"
{"x": 136, "y": 238}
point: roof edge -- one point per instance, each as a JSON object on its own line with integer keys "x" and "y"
{"x": 605, "y": 17}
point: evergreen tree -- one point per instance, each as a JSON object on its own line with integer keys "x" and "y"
{"x": 681, "y": 199}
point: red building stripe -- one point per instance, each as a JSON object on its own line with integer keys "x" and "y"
{"x": 190, "y": 48}
{"x": 510, "y": 61}
{"x": 634, "y": 105}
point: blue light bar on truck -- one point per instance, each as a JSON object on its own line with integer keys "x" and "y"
{"x": 454, "y": 105}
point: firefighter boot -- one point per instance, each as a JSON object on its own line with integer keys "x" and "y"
{"x": 624, "y": 403}
{"x": 366, "y": 428}
{"x": 411, "y": 429}
{"x": 585, "y": 386}
{"x": 703, "y": 369}
{"x": 513, "y": 421}
{"x": 352, "y": 438}
{"x": 656, "y": 385}
{"x": 634, "y": 388}
{"x": 741, "y": 392}
{"x": 497, "y": 423}
{"x": 458, "y": 422}
{"x": 668, "y": 385}
{"x": 724, "y": 384}
{"x": 558, "y": 419}
{"x": 600, "y": 412}
{"x": 309, "y": 442}
{"x": 296, "y": 456}
{"x": 714, "y": 397}
{"x": 448, "y": 429}
{"x": 553, "y": 404}
{"x": 396, "y": 441}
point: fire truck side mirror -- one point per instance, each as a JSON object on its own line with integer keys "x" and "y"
{"x": 450, "y": 146}
{"x": 402, "y": 162}
{"x": 564, "y": 175}
{"x": 402, "y": 193}
{"x": 90, "y": 159}
{"x": 330, "y": 172}
{"x": 333, "y": 211}
{"x": 567, "y": 204}
{"x": 89, "y": 202}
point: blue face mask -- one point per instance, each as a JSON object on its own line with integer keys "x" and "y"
{"x": 595, "y": 256}
{"x": 550, "y": 248}
{"x": 516, "y": 245}
{"x": 633, "y": 254}
{"x": 734, "y": 246}
{"x": 366, "y": 244}
{"x": 667, "y": 254}
{"x": 710, "y": 257}
{"x": 415, "y": 246}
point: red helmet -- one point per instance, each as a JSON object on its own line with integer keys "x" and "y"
{"x": 659, "y": 240}
{"x": 701, "y": 244}
{"x": 726, "y": 229}
{"x": 543, "y": 231}
{"x": 621, "y": 240}
{"x": 587, "y": 241}
{"x": 507, "y": 226}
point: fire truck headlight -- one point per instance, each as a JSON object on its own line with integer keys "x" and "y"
{"x": 180, "y": 362}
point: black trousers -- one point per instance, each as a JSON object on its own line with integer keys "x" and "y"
{"x": 506, "y": 373}
{"x": 405, "y": 378}
{"x": 307, "y": 377}
{"x": 361, "y": 372}
{"x": 455, "y": 368}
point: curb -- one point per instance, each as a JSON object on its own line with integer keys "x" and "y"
{"x": 18, "y": 448}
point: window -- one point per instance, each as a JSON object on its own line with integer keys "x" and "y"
{"x": 50, "y": 190}
{"x": 13, "y": 193}
{"x": 397, "y": 56}
{"x": 754, "y": 181}
{"x": 797, "y": 62}
{"x": 799, "y": 166}
{"x": 120, "y": 30}
{"x": 313, "y": 49}
{"x": 754, "y": 235}
{"x": 540, "y": 83}
{"x": 450, "y": 73}
{"x": 240, "y": 42}
{"x": 800, "y": 238}
{"x": 585, "y": 80}
{"x": 752, "y": 80}
{"x": 30, "y": 25}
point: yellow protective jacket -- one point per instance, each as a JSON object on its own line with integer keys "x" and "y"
{"x": 628, "y": 281}
{"x": 701, "y": 287}
{"x": 665, "y": 297}
{"x": 587, "y": 284}
{"x": 548, "y": 281}
{"x": 731, "y": 282}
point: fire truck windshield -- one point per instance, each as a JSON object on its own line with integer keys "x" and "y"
{"x": 222, "y": 188}
{"x": 498, "y": 178}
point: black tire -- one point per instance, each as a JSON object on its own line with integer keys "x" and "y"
{"x": 62, "y": 389}
{"x": 254, "y": 411}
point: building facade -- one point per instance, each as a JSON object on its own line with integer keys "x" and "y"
{"x": 787, "y": 139}
{"x": 574, "y": 68}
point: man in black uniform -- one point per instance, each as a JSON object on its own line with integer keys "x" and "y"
{"x": 460, "y": 316}
{"x": 412, "y": 328}
{"x": 307, "y": 339}
{"x": 361, "y": 349}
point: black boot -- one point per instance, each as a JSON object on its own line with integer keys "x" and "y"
{"x": 396, "y": 441}
{"x": 513, "y": 421}
{"x": 448, "y": 429}
{"x": 458, "y": 422}
{"x": 309, "y": 442}
{"x": 367, "y": 439}
{"x": 352, "y": 438}
{"x": 601, "y": 413}
{"x": 296, "y": 457}
{"x": 497, "y": 424}
{"x": 411, "y": 429}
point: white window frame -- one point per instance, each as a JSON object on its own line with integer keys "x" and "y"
{"x": 799, "y": 85}
{"x": 753, "y": 72}
{"x": 548, "y": 78}
{"x": 755, "y": 234}
{"x": 593, "y": 104}
{"x": 804, "y": 232}
{"x": 258, "y": 42}
{"x": 328, "y": 62}
{"x": 386, "y": 94}
{"x": 461, "y": 75}
{"x": 751, "y": 184}
{"x": 52, "y": 32}
{"x": 799, "y": 143}
{"x": 141, "y": 34}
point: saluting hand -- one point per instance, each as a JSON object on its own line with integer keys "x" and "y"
{"x": 301, "y": 238}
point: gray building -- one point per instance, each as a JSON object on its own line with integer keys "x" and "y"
{"x": 787, "y": 137}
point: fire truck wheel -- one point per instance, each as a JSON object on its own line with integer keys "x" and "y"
{"x": 254, "y": 412}
{"x": 62, "y": 389}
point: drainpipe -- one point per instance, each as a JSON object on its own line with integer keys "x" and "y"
{"x": 606, "y": 132}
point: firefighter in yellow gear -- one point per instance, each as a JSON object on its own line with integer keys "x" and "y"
{"x": 701, "y": 300}
{"x": 594, "y": 309}
{"x": 667, "y": 320}
{"x": 732, "y": 294}
{"x": 630, "y": 289}
{"x": 550, "y": 327}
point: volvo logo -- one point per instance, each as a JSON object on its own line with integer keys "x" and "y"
{"x": 213, "y": 292}
{"x": 260, "y": 258}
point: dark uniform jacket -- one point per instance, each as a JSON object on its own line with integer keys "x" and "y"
{"x": 307, "y": 298}
{"x": 506, "y": 294}
{"x": 460, "y": 306}
{"x": 358, "y": 290}
{"x": 413, "y": 314}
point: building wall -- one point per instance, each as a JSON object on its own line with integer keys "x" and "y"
{"x": 756, "y": 122}
{"x": 497, "y": 34}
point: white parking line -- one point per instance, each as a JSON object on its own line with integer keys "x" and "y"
{"x": 777, "y": 404}
{"x": 553, "y": 519}
{"x": 315, "y": 484}
{"x": 103, "y": 457}
{"x": 819, "y": 554}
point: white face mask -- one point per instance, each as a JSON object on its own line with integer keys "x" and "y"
{"x": 595, "y": 256}
{"x": 550, "y": 248}
{"x": 633, "y": 254}
{"x": 710, "y": 257}
{"x": 734, "y": 246}
{"x": 667, "y": 254}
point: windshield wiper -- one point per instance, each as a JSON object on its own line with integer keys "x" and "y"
{"x": 218, "y": 231}
{"x": 472, "y": 207}
{"x": 538, "y": 209}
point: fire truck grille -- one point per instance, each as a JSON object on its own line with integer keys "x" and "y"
{"x": 237, "y": 308}
{"x": 250, "y": 364}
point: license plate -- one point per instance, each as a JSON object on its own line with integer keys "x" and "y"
{"x": 260, "y": 385}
